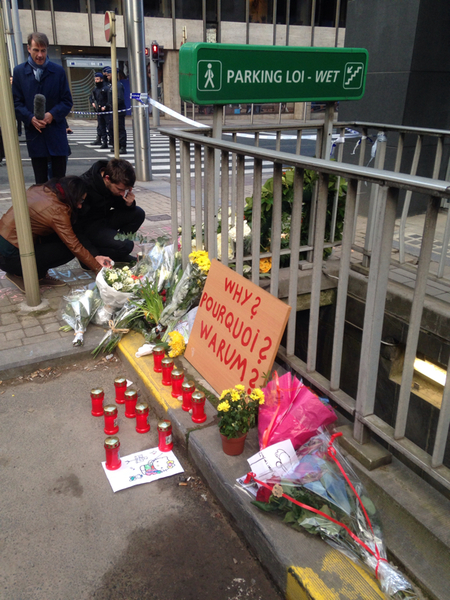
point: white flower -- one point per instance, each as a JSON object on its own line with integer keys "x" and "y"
{"x": 126, "y": 269}
{"x": 117, "y": 285}
{"x": 247, "y": 231}
{"x": 219, "y": 247}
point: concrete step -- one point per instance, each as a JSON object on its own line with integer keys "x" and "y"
{"x": 414, "y": 515}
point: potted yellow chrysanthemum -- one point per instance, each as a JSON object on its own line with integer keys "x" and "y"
{"x": 237, "y": 412}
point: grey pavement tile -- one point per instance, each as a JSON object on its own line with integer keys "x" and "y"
{"x": 2, "y": 337}
{"x": 49, "y": 327}
{"x": 39, "y": 339}
{"x": 398, "y": 278}
{"x": 28, "y": 321}
{"x": 11, "y": 344}
{"x": 10, "y": 327}
{"x": 33, "y": 331}
{"x": 443, "y": 297}
{"x": 8, "y": 318}
{"x": 18, "y": 334}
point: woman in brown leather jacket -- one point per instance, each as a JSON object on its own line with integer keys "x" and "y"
{"x": 53, "y": 210}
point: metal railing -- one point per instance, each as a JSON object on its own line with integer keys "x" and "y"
{"x": 199, "y": 206}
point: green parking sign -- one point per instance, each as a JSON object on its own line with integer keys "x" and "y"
{"x": 232, "y": 73}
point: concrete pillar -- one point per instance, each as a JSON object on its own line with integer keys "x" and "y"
{"x": 171, "y": 81}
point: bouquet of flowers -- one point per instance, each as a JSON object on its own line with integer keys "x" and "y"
{"x": 188, "y": 289}
{"x": 320, "y": 492}
{"x": 80, "y": 307}
{"x": 118, "y": 326}
{"x": 116, "y": 286}
{"x": 237, "y": 410}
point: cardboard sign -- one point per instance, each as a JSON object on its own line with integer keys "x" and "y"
{"x": 236, "y": 332}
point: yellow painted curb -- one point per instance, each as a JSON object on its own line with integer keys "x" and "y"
{"x": 143, "y": 366}
{"x": 303, "y": 583}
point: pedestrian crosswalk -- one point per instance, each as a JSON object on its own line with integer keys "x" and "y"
{"x": 159, "y": 151}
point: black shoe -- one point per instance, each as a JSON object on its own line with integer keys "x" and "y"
{"x": 104, "y": 146}
{"x": 122, "y": 150}
{"x": 16, "y": 280}
{"x": 97, "y": 142}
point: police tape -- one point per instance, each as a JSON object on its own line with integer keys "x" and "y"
{"x": 102, "y": 112}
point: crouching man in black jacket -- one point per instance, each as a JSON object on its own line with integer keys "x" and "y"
{"x": 109, "y": 208}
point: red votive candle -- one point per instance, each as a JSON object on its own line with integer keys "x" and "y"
{"x": 177, "y": 380}
{"x": 165, "y": 443}
{"x": 110, "y": 413}
{"x": 120, "y": 383}
{"x": 97, "y": 396}
{"x": 130, "y": 403}
{"x": 198, "y": 407}
{"x": 167, "y": 368}
{"x": 158, "y": 354}
{"x": 112, "y": 447}
{"x": 187, "y": 388}
{"x": 142, "y": 424}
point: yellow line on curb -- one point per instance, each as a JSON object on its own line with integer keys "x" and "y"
{"x": 143, "y": 366}
{"x": 303, "y": 583}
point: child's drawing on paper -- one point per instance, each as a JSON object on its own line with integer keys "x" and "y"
{"x": 157, "y": 466}
{"x": 143, "y": 467}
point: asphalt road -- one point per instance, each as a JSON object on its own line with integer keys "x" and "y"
{"x": 66, "y": 536}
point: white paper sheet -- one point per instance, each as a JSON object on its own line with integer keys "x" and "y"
{"x": 143, "y": 467}
{"x": 274, "y": 460}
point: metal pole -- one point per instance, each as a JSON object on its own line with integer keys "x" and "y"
{"x": 115, "y": 105}
{"x": 134, "y": 14}
{"x": 154, "y": 84}
{"x": 17, "y": 33}
{"x": 16, "y": 180}
{"x": 9, "y": 36}
{"x": 217, "y": 134}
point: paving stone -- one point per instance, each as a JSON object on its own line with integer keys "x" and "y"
{"x": 8, "y": 319}
{"x": 37, "y": 339}
{"x": 12, "y": 327}
{"x": 2, "y": 337}
{"x": 33, "y": 331}
{"x": 11, "y": 344}
{"x": 49, "y": 327}
{"x": 18, "y": 334}
{"x": 28, "y": 321}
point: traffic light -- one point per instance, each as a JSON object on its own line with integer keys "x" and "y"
{"x": 155, "y": 51}
{"x": 160, "y": 56}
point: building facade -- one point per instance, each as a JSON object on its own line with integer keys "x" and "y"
{"x": 75, "y": 29}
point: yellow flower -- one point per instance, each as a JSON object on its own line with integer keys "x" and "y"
{"x": 176, "y": 343}
{"x": 224, "y": 406}
{"x": 239, "y": 387}
{"x": 235, "y": 396}
{"x": 224, "y": 393}
{"x": 257, "y": 394}
{"x": 265, "y": 264}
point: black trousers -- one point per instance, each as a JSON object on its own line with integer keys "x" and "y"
{"x": 98, "y": 236}
{"x": 102, "y": 131}
{"x": 40, "y": 167}
{"x": 122, "y": 130}
{"x": 50, "y": 252}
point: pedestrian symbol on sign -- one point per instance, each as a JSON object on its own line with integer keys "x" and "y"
{"x": 209, "y": 76}
{"x": 353, "y": 75}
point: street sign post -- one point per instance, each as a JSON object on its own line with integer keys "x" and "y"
{"x": 231, "y": 73}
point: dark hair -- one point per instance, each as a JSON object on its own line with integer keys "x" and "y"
{"x": 120, "y": 171}
{"x": 69, "y": 190}
{"x": 39, "y": 38}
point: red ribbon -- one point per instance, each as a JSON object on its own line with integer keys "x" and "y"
{"x": 60, "y": 189}
{"x": 332, "y": 453}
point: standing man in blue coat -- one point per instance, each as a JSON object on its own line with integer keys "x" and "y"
{"x": 46, "y": 136}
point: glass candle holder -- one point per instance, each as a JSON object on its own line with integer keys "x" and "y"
{"x": 112, "y": 450}
{"x": 165, "y": 443}
{"x": 142, "y": 420}
{"x": 198, "y": 407}
{"x": 158, "y": 354}
{"x": 167, "y": 368}
{"x": 120, "y": 384}
{"x": 130, "y": 403}
{"x": 187, "y": 389}
{"x": 110, "y": 413}
{"x": 97, "y": 396}
{"x": 177, "y": 380}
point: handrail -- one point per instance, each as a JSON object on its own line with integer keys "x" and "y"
{"x": 423, "y": 185}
